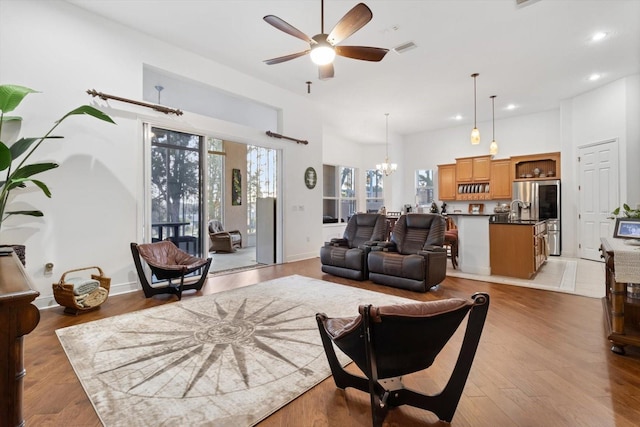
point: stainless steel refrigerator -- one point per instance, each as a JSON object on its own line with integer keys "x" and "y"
{"x": 541, "y": 200}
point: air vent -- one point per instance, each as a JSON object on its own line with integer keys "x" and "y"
{"x": 404, "y": 47}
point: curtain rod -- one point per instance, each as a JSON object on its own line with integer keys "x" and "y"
{"x": 156, "y": 107}
{"x": 277, "y": 135}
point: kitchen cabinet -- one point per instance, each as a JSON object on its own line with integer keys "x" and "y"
{"x": 500, "y": 182}
{"x": 447, "y": 182}
{"x": 472, "y": 176}
{"x": 536, "y": 166}
{"x": 517, "y": 249}
{"x": 473, "y": 169}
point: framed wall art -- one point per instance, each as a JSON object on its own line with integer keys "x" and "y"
{"x": 236, "y": 187}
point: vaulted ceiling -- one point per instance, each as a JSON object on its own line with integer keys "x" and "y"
{"x": 531, "y": 56}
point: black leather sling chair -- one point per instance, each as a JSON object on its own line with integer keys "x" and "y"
{"x": 390, "y": 341}
{"x": 167, "y": 262}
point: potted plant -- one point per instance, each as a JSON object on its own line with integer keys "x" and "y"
{"x": 626, "y": 211}
{"x": 15, "y": 172}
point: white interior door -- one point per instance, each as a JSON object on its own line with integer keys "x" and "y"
{"x": 598, "y": 185}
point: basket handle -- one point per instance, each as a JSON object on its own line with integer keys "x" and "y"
{"x": 79, "y": 269}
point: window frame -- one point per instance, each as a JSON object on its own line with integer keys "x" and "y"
{"x": 334, "y": 200}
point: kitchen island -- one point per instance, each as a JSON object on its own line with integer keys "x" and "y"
{"x": 473, "y": 243}
{"x": 518, "y": 248}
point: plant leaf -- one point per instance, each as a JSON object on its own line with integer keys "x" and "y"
{"x": 30, "y": 213}
{"x": 29, "y": 170}
{"x": 43, "y": 187}
{"x": 89, "y": 110}
{"x": 5, "y": 157}
{"x": 20, "y": 146}
{"x": 23, "y": 144}
{"x": 11, "y": 96}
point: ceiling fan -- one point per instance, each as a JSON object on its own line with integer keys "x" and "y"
{"x": 322, "y": 47}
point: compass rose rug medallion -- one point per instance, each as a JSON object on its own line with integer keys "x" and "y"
{"x": 227, "y": 359}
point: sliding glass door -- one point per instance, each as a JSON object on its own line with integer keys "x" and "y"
{"x": 176, "y": 188}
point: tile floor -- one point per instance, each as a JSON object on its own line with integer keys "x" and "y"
{"x": 561, "y": 274}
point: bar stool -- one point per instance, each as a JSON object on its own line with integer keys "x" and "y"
{"x": 451, "y": 241}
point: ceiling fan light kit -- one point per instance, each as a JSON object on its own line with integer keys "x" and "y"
{"x": 322, "y": 53}
{"x": 475, "y": 133}
{"x": 323, "y": 47}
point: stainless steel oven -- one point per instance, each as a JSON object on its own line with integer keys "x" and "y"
{"x": 541, "y": 200}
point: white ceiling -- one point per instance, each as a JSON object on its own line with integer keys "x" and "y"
{"x": 532, "y": 56}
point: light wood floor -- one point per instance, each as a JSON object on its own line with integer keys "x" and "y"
{"x": 543, "y": 360}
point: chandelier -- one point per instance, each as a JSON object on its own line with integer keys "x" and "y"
{"x": 387, "y": 168}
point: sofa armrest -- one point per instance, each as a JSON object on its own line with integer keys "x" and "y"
{"x": 385, "y": 246}
{"x": 339, "y": 242}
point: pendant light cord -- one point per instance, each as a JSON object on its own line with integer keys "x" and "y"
{"x": 387, "y": 138}
{"x": 493, "y": 115}
{"x": 475, "y": 101}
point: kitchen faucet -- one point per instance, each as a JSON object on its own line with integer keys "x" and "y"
{"x": 514, "y": 214}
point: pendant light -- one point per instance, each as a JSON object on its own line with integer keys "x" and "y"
{"x": 387, "y": 168}
{"x": 493, "y": 148}
{"x": 475, "y": 133}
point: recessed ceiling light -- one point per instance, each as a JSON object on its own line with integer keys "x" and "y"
{"x": 595, "y": 76}
{"x": 457, "y": 117}
{"x": 598, "y": 36}
{"x": 510, "y": 107}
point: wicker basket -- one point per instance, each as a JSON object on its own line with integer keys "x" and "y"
{"x": 63, "y": 293}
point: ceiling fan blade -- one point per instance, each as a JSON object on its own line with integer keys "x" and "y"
{"x": 351, "y": 22}
{"x": 280, "y": 59}
{"x": 364, "y": 53}
{"x": 325, "y": 72}
{"x": 288, "y": 28}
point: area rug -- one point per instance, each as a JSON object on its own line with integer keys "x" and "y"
{"x": 227, "y": 359}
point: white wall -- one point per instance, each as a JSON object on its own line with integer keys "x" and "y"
{"x": 520, "y": 135}
{"x": 98, "y": 200}
{"x": 608, "y": 113}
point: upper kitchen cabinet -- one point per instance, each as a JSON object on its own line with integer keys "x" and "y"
{"x": 447, "y": 182}
{"x": 501, "y": 183}
{"x": 536, "y": 166}
{"x": 473, "y": 169}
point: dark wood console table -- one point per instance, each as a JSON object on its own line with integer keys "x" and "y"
{"x": 621, "y": 313}
{"x": 18, "y": 317}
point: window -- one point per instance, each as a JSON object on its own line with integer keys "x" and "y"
{"x": 375, "y": 190}
{"x": 424, "y": 187}
{"x": 215, "y": 178}
{"x": 261, "y": 179}
{"x": 339, "y": 193}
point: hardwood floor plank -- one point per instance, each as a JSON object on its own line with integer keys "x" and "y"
{"x": 543, "y": 360}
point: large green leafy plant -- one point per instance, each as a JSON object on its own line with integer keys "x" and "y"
{"x": 15, "y": 172}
